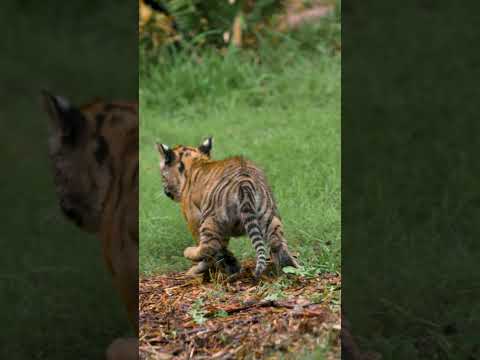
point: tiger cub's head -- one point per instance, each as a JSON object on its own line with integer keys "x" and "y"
{"x": 81, "y": 150}
{"x": 176, "y": 162}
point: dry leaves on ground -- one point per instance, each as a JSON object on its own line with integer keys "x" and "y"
{"x": 187, "y": 318}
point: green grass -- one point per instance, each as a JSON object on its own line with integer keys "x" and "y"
{"x": 281, "y": 109}
{"x": 56, "y": 297}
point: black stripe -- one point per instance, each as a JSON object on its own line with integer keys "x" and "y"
{"x": 251, "y": 226}
{"x": 101, "y": 152}
{"x": 246, "y": 207}
{"x": 255, "y": 232}
{"x": 257, "y": 240}
{"x": 241, "y": 196}
{"x": 72, "y": 214}
{"x": 268, "y": 206}
{"x": 251, "y": 197}
{"x": 73, "y": 126}
{"x": 116, "y": 120}
{"x": 209, "y": 233}
{"x": 248, "y": 213}
{"x": 100, "y": 119}
{"x": 213, "y": 199}
{"x": 269, "y": 221}
{"x": 262, "y": 213}
{"x": 275, "y": 229}
{"x": 181, "y": 167}
{"x": 257, "y": 245}
{"x": 223, "y": 185}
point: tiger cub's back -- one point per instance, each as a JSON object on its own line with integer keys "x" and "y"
{"x": 222, "y": 199}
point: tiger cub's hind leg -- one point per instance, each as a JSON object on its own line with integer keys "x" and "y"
{"x": 210, "y": 244}
{"x": 279, "y": 252}
{"x": 226, "y": 262}
{"x": 223, "y": 261}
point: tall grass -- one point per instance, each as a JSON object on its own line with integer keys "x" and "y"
{"x": 280, "y": 108}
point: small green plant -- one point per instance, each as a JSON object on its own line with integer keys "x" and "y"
{"x": 173, "y": 334}
{"x": 274, "y": 296}
{"x": 317, "y": 298}
{"x": 221, "y": 313}
{"x": 197, "y": 313}
{"x": 224, "y": 339}
{"x": 274, "y": 291}
{"x": 302, "y": 271}
{"x": 217, "y": 292}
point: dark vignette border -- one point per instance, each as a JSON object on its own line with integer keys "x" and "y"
{"x": 56, "y": 297}
{"x": 410, "y": 199}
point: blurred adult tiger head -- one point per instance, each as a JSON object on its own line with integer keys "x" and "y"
{"x": 84, "y": 143}
{"x": 175, "y": 163}
{"x": 94, "y": 153}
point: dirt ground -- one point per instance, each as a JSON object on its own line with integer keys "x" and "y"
{"x": 193, "y": 318}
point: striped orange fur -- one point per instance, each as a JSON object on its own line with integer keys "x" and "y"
{"x": 94, "y": 153}
{"x": 221, "y": 199}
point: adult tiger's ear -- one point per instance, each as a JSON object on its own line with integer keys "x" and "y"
{"x": 206, "y": 146}
{"x": 65, "y": 119}
{"x": 165, "y": 153}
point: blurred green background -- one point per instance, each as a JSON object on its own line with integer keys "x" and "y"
{"x": 410, "y": 191}
{"x": 56, "y": 298}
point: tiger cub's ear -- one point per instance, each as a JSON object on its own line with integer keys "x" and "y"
{"x": 65, "y": 119}
{"x": 165, "y": 153}
{"x": 206, "y": 146}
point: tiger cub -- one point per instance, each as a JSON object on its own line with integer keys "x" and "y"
{"x": 222, "y": 199}
{"x": 94, "y": 153}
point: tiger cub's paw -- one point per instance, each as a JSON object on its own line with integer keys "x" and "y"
{"x": 191, "y": 252}
{"x": 226, "y": 262}
{"x": 198, "y": 269}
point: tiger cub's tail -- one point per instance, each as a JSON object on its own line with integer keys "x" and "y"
{"x": 248, "y": 214}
